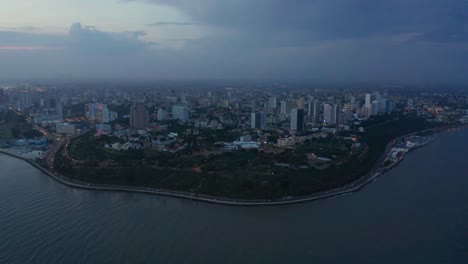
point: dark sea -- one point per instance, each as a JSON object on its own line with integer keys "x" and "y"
{"x": 415, "y": 213}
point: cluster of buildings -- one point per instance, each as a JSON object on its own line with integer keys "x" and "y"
{"x": 278, "y": 111}
{"x": 99, "y": 113}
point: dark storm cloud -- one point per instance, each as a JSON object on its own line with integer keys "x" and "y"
{"x": 328, "y": 39}
{"x": 307, "y": 20}
{"x": 394, "y": 40}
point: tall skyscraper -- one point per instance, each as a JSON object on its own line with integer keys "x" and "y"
{"x": 368, "y": 106}
{"x": 59, "y": 109}
{"x": 25, "y": 99}
{"x": 183, "y": 98}
{"x": 300, "y": 103}
{"x": 383, "y": 105}
{"x": 368, "y": 100}
{"x": 375, "y": 108}
{"x": 389, "y": 106}
{"x": 257, "y": 120}
{"x": 330, "y": 113}
{"x": 297, "y": 120}
{"x": 254, "y": 105}
{"x": 139, "y": 116}
{"x": 180, "y": 112}
{"x": 285, "y": 107}
{"x": 310, "y": 103}
{"x": 273, "y": 102}
{"x": 315, "y": 111}
{"x": 99, "y": 113}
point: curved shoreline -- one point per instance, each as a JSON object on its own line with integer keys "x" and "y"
{"x": 354, "y": 186}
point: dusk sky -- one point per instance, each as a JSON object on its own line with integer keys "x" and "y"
{"x": 340, "y": 40}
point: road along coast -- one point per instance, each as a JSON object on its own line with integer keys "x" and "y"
{"x": 355, "y": 186}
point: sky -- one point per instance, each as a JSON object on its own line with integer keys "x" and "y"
{"x": 323, "y": 40}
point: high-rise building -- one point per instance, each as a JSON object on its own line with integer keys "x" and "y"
{"x": 330, "y": 113}
{"x": 285, "y": 107}
{"x": 389, "y": 106}
{"x": 139, "y": 117}
{"x": 273, "y": 102}
{"x": 180, "y": 112}
{"x": 162, "y": 114}
{"x": 257, "y": 120}
{"x": 254, "y": 105}
{"x": 300, "y": 103}
{"x": 25, "y": 99}
{"x": 297, "y": 120}
{"x": 59, "y": 109}
{"x": 183, "y": 98}
{"x": 368, "y": 106}
{"x": 383, "y": 105}
{"x": 375, "y": 107}
{"x": 3, "y": 98}
{"x": 315, "y": 111}
{"x": 310, "y": 103}
{"x": 99, "y": 113}
{"x": 368, "y": 100}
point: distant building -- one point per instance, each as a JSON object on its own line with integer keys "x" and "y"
{"x": 254, "y": 105}
{"x": 375, "y": 108}
{"x": 286, "y": 107}
{"x": 273, "y": 102}
{"x": 162, "y": 114}
{"x": 310, "y": 103}
{"x": 410, "y": 104}
{"x": 368, "y": 100}
{"x": 180, "y": 112}
{"x": 286, "y": 142}
{"x": 257, "y": 120}
{"x": 139, "y": 116}
{"x": 314, "y": 110}
{"x": 330, "y": 113}
{"x": 99, "y": 113}
{"x": 389, "y": 106}
{"x": 103, "y": 127}
{"x": 60, "y": 110}
{"x": 300, "y": 103}
{"x": 25, "y": 100}
{"x": 183, "y": 98}
{"x": 65, "y": 128}
{"x": 383, "y": 105}
{"x": 297, "y": 120}
{"x": 368, "y": 106}
{"x": 247, "y": 138}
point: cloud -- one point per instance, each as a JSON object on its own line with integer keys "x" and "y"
{"x": 89, "y": 39}
{"x": 264, "y": 39}
{"x": 83, "y": 39}
{"x": 309, "y": 21}
{"x": 167, "y": 23}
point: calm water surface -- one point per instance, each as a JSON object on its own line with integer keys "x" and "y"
{"x": 416, "y": 213}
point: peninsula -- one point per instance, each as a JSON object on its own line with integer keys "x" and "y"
{"x": 252, "y": 146}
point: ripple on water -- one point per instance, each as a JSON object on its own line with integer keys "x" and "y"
{"x": 397, "y": 219}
